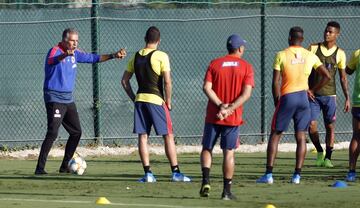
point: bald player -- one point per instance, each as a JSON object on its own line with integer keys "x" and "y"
{"x": 290, "y": 90}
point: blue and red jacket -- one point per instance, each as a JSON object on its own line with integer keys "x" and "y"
{"x": 60, "y": 76}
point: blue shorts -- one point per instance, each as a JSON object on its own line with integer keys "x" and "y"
{"x": 326, "y": 104}
{"x": 229, "y": 136}
{"x": 148, "y": 114}
{"x": 292, "y": 106}
{"x": 355, "y": 111}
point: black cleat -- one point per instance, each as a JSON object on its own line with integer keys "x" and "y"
{"x": 205, "y": 190}
{"x": 40, "y": 172}
{"x": 228, "y": 196}
{"x": 64, "y": 170}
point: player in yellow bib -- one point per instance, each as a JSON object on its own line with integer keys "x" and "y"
{"x": 152, "y": 102}
{"x": 334, "y": 60}
{"x": 354, "y": 148}
{"x": 160, "y": 63}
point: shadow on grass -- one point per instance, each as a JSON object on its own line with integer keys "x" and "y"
{"x": 168, "y": 197}
{"x": 97, "y": 177}
{"x": 152, "y": 161}
{"x": 37, "y": 194}
{"x": 70, "y": 177}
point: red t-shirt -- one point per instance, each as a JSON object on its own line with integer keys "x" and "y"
{"x": 228, "y": 76}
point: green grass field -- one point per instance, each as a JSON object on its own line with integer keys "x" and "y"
{"x": 116, "y": 179}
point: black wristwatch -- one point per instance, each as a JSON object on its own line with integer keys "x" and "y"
{"x": 112, "y": 56}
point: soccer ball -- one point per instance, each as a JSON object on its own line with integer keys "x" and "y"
{"x": 77, "y": 165}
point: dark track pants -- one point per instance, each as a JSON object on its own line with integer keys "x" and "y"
{"x": 57, "y": 114}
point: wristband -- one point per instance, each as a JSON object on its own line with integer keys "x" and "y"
{"x": 219, "y": 106}
{"x": 112, "y": 56}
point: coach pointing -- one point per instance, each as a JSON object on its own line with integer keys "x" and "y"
{"x": 60, "y": 75}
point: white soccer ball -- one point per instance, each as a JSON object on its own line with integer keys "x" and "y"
{"x": 77, "y": 165}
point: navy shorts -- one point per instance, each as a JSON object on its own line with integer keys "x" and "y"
{"x": 148, "y": 114}
{"x": 355, "y": 111}
{"x": 292, "y": 106}
{"x": 326, "y": 104}
{"x": 229, "y": 136}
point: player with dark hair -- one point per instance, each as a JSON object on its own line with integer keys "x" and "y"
{"x": 290, "y": 90}
{"x": 354, "y": 148}
{"x": 334, "y": 59}
{"x": 228, "y": 85}
{"x": 152, "y": 105}
{"x": 60, "y": 75}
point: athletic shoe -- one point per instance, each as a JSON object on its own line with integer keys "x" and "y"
{"x": 228, "y": 196}
{"x": 40, "y": 172}
{"x": 148, "y": 178}
{"x": 179, "y": 177}
{"x": 295, "y": 178}
{"x": 328, "y": 164}
{"x": 351, "y": 177}
{"x": 266, "y": 178}
{"x": 320, "y": 159}
{"x": 64, "y": 170}
{"x": 205, "y": 190}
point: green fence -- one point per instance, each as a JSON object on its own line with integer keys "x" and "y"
{"x": 192, "y": 35}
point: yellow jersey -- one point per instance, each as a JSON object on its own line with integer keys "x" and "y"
{"x": 340, "y": 56}
{"x": 295, "y": 64}
{"x": 159, "y": 63}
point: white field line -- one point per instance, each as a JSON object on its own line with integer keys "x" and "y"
{"x": 44, "y": 200}
{"x": 93, "y": 202}
{"x": 157, "y": 150}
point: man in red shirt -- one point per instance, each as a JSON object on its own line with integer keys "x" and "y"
{"x": 228, "y": 84}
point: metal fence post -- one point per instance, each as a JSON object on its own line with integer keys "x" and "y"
{"x": 263, "y": 80}
{"x": 95, "y": 70}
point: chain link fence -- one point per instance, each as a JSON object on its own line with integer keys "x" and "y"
{"x": 192, "y": 35}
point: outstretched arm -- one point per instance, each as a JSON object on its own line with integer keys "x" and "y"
{"x": 119, "y": 55}
{"x": 125, "y": 82}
